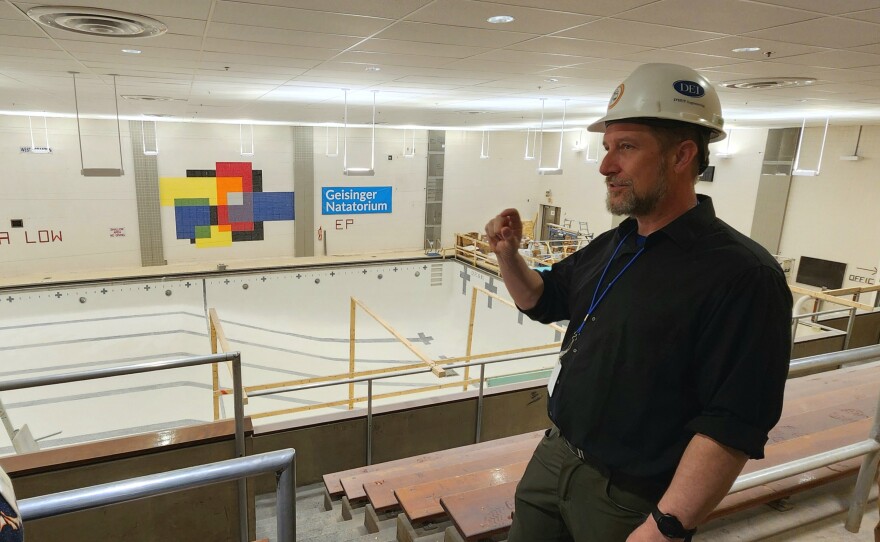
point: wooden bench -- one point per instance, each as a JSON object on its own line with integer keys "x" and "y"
{"x": 355, "y": 478}
{"x": 821, "y": 412}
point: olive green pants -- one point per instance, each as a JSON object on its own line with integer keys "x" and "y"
{"x": 562, "y": 498}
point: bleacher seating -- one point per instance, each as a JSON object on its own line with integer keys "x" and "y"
{"x": 472, "y": 487}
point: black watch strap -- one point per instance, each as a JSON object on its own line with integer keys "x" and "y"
{"x": 670, "y": 527}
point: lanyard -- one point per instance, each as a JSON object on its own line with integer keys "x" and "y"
{"x": 597, "y": 297}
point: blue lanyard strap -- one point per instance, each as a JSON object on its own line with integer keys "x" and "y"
{"x": 597, "y": 297}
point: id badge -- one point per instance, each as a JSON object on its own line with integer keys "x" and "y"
{"x": 554, "y": 375}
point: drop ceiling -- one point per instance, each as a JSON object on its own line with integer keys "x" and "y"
{"x": 440, "y": 63}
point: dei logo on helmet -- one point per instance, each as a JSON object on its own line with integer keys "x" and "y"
{"x": 689, "y": 88}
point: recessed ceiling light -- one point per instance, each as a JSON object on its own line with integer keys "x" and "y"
{"x": 746, "y": 49}
{"x": 373, "y": 68}
{"x": 500, "y": 19}
{"x": 551, "y": 80}
{"x": 132, "y": 51}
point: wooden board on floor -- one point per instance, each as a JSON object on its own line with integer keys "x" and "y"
{"x": 381, "y": 492}
{"x": 354, "y": 485}
{"x": 481, "y": 512}
{"x": 422, "y": 502}
{"x": 333, "y": 484}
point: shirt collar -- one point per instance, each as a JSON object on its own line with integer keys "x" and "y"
{"x": 684, "y": 230}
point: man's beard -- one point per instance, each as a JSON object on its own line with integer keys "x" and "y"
{"x": 633, "y": 204}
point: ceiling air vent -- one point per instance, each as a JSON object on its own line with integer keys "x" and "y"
{"x": 760, "y": 83}
{"x": 97, "y": 22}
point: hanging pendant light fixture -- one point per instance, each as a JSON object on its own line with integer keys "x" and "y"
{"x": 409, "y": 144}
{"x": 557, "y": 170}
{"x": 98, "y": 172}
{"x": 151, "y": 143}
{"x": 359, "y": 171}
{"x": 484, "y": 145}
{"x": 44, "y": 148}
{"x": 246, "y": 139}
{"x": 335, "y": 151}
{"x": 795, "y": 170}
{"x": 531, "y": 136}
{"x": 592, "y": 150}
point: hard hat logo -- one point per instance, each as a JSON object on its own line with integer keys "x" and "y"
{"x": 615, "y": 97}
{"x": 689, "y": 88}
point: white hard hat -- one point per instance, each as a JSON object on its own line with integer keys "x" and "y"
{"x": 666, "y": 92}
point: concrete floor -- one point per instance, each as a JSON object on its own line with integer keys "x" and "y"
{"x": 816, "y": 515}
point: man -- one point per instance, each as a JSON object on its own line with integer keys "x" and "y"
{"x": 672, "y": 369}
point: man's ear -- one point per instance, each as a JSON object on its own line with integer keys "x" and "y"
{"x": 685, "y": 157}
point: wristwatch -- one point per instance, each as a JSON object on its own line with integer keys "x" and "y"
{"x": 670, "y": 527}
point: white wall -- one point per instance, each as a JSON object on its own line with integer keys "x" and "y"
{"x": 834, "y": 216}
{"x": 403, "y": 228}
{"x": 49, "y": 194}
{"x": 831, "y": 216}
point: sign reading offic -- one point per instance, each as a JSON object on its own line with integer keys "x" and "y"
{"x": 355, "y": 200}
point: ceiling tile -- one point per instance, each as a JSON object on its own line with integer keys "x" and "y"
{"x": 268, "y": 49}
{"x": 452, "y": 35}
{"x": 826, "y": 32}
{"x": 835, "y": 59}
{"x": 375, "y": 45}
{"x": 384, "y": 59}
{"x": 277, "y": 35}
{"x": 874, "y": 49}
{"x": 725, "y": 16}
{"x": 474, "y": 14}
{"x": 693, "y": 60}
{"x": 391, "y": 10}
{"x": 871, "y": 15}
{"x": 601, "y": 8}
{"x": 633, "y": 32}
{"x": 537, "y": 59}
{"x": 298, "y": 19}
{"x": 836, "y": 7}
{"x": 572, "y": 46}
{"x": 724, "y": 47}
{"x": 227, "y": 59}
{"x": 504, "y": 67}
{"x": 20, "y": 27}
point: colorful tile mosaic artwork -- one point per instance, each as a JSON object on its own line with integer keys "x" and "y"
{"x": 218, "y": 207}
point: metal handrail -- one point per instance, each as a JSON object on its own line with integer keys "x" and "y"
{"x": 234, "y": 357}
{"x": 281, "y": 462}
{"x": 833, "y": 359}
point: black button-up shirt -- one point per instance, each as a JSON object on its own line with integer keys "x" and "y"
{"x": 694, "y": 337}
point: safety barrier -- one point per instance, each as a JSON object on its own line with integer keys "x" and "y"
{"x": 233, "y": 357}
{"x": 280, "y": 462}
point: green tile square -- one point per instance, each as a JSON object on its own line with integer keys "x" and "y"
{"x": 203, "y": 232}
{"x": 191, "y": 202}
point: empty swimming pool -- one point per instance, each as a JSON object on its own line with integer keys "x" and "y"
{"x": 290, "y": 325}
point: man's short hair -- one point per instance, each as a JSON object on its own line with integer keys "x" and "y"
{"x": 670, "y": 133}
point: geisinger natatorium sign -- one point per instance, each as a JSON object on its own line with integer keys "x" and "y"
{"x": 358, "y": 200}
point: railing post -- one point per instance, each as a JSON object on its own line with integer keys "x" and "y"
{"x": 215, "y": 374}
{"x": 480, "y": 403}
{"x": 867, "y": 476}
{"x": 285, "y": 505}
{"x": 370, "y": 421}
{"x": 239, "y": 444}
{"x": 351, "y": 343}
{"x": 849, "y": 328}
{"x": 470, "y": 338}
{"x": 795, "y": 322}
